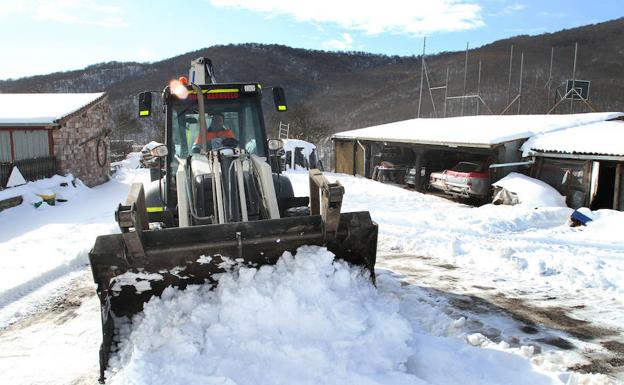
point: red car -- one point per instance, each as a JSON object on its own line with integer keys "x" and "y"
{"x": 466, "y": 179}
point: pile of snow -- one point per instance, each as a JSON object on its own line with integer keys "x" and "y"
{"x": 304, "y": 320}
{"x": 65, "y": 187}
{"x": 605, "y": 225}
{"x": 132, "y": 161}
{"x": 531, "y": 192}
{"x": 307, "y": 320}
{"x": 129, "y": 170}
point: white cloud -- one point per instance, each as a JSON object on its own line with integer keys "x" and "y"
{"x": 86, "y": 12}
{"x": 509, "y": 10}
{"x": 344, "y": 44}
{"x": 395, "y": 16}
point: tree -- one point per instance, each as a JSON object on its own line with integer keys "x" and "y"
{"x": 305, "y": 124}
{"x": 125, "y": 125}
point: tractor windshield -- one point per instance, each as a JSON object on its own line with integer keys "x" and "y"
{"x": 237, "y": 119}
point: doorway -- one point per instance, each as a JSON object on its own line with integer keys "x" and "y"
{"x": 605, "y": 186}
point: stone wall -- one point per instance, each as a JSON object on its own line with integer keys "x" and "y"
{"x": 76, "y": 143}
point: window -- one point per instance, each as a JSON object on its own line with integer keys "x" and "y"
{"x": 240, "y": 119}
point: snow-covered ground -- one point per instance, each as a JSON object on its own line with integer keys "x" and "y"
{"x": 49, "y": 316}
{"x": 488, "y": 295}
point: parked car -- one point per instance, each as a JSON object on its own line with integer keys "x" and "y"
{"x": 466, "y": 179}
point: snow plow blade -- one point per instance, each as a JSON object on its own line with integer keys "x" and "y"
{"x": 131, "y": 267}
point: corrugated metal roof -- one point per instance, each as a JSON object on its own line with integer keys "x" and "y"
{"x": 600, "y": 138}
{"x": 475, "y": 131}
{"x": 42, "y": 109}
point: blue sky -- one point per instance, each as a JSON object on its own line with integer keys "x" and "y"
{"x": 43, "y": 36}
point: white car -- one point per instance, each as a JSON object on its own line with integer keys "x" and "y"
{"x": 466, "y": 179}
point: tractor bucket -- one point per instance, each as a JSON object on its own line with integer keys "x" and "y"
{"x": 131, "y": 267}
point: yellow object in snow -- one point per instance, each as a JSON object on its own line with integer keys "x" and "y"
{"x": 48, "y": 197}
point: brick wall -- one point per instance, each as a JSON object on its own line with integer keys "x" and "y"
{"x": 80, "y": 159}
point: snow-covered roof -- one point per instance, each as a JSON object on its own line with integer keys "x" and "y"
{"x": 473, "y": 131}
{"x": 291, "y": 144}
{"x": 600, "y": 138}
{"x": 41, "y": 109}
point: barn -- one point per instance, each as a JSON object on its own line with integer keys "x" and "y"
{"x": 46, "y": 134}
{"x": 584, "y": 163}
{"x": 415, "y": 148}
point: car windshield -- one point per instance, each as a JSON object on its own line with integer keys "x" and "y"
{"x": 466, "y": 167}
{"x": 238, "y": 119}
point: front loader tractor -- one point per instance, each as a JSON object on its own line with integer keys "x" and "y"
{"x": 217, "y": 199}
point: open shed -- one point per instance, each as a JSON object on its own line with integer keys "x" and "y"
{"x": 46, "y": 134}
{"x": 583, "y": 163}
{"x": 430, "y": 145}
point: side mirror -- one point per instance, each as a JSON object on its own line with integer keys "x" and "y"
{"x": 279, "y": 97}
{"x": 275, "y": 144}
{"x": 145, "y": 104}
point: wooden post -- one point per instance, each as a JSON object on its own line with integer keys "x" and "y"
{"x": 587, "y": 177}
{"x": 617, "y": 191}
{"x": 417, "y": 181}
{"x": 354, "y": 157}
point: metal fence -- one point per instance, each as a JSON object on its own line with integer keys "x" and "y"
{"x": 31, "y": 169}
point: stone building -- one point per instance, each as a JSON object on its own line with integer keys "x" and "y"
{"x": 46, "y": 134}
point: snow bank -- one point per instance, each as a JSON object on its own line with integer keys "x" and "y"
{"x": 503, "y": 246}
{"x": 129, "y": 170}
{"x": 531, "y": 192}
{"x": 306, "y": 320}
{"x": 65, "y": 187}
{"x": 41, "y": 245}
{"x": 606, "y": 225}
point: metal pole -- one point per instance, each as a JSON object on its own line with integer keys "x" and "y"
{"x": 520, "y": 90}
{"x": 479, "y": 87}
{"x": 552, "y": 55}
{"x": 465, "y": 78}
{"x": 509, "y": 81}
{"x": 422, "y": 74}
{"x": 573, "y": 78}
{"x": 446, "y": 90}
{"x": 435, "y": 113}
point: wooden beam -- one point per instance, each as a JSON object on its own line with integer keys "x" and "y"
{"x": 617, "y": 191}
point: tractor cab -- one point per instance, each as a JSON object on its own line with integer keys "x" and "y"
{"x": 233, "y": 118}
